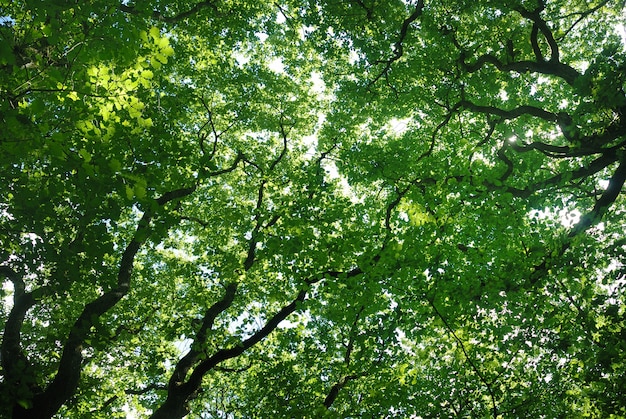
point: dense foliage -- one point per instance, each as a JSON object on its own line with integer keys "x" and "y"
{"x": 358, "y": 208}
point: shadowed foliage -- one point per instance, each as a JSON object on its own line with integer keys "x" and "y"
{"x": 236, "y": 209}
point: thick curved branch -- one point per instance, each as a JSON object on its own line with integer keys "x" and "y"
{"x": 175, "y": 194}
{"x": 592, "y": 168}
{"x": 258, "y": 225}
{"x": 62, "y": 387}
{"x": 240, "y": 156}
{"x": 369, "y": 11}
{"x": 341, "y": 383}
{"x": 15, "y": 364}
{"x": 216, "y": 135}
{"x": 616, "y": 183}
{"x": 175, "y": 406}
{"x": 283, "y": 151}
{"x": 534, "y": 42}
{"x": 605, "y": 160}
{"x": 184, "y": 365}
{"x": 336, "y": 388}
{"x": 548, "y": 149}
{"x": 509, "y": 164}
{"x": 540, "y": 25}
{"x": 582, "y": 145}
{"x": 18, "y": 283}
{"x": 510, "y": 114}
{"x": 553, "y": 66}
{"x": 398, "y": 47}
{"x": 392, "y": 206}
{"x": 541, "y": 270}
{"x": 526, "y": 110}
{"x": 558, "y": 69}
{"x": 177, "y": 380}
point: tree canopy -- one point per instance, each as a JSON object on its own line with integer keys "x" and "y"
{"x": 360, "y": 208}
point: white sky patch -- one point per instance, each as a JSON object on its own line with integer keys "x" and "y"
{"x": 318, "y": 83}
{"x": 182, "y": 253}
{"x": 621, "y": 31}
{"x": 297, "y": 319}
{"x": 280, "y": 18}
{"x": 333, "y": 173}
{"x": 241, "y": 58}
{"x": 567, "y": 218}
{"x": 541, "y": 80}
{"x": 276, "y": 65}
{"x": 183, "y": 346}
{"x": 487, "y": 162}
{"x": 7, "y": 301}
{"x": 4, "y": 213}
{"x": 311, "y": 140}
{"x": 305, "y": 31}
{"x": 6, "y": 21}
{"x": 262, "y": 36}
{"x": 353, "y": 57}
{"x": 399, "y": 126}
{"x": 130, "y": 414}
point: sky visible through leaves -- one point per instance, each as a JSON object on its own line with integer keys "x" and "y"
{"x": 320, "y": 209}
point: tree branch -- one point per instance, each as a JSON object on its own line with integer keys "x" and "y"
{"x": 581, "y": 146}
{"x": 398, "y": 48}
{"x": 558, "y": 69}
{"x": 17, "y": 369}
{"x": 62, "y": 387}
{"x": 595, "y": 166}
{"x": 510, "y": 114}
{"x": 341, "y": 383}
{"x": 609, "y": 196}
{"x": 182, "y": 367}
{"x": 540, "y": 25}
{"x": 581, "y": 16}
{"x": 175, "y": 406}
{"x": 607, "y": 158}
{"x": 177, "y": 380}
{"x": 18, "y": 283}
{"x": 283, "y": 151}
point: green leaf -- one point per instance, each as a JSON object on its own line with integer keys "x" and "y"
{"x": 85, "y": 155}
{"x": 317, "y": 209}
